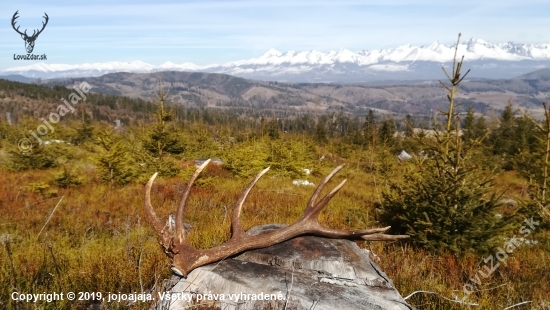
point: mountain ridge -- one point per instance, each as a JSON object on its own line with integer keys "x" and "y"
{"x": 197, "y": 89}
{"x": 406, "y": 62}
{"x": 540, "y": 74}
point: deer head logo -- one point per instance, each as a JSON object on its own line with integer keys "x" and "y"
{"x": 29, "y": 40}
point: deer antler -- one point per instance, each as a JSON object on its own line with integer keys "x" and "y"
{"x": 34, "y": 33}
{"x": 185, "y": 258}
{"x": 13, "y": 24}
{"x": 47, "y": 18}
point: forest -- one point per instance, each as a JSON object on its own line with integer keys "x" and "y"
{"x": 72, "y": 215}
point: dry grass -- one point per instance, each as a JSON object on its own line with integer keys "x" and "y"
{"x": 98, "y": 241}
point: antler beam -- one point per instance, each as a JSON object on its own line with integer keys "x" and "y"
{"x": 47, "y": 18}
{"x": 185, "y": 258}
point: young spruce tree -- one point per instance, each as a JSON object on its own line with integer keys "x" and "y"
{"x": 445, "y": 202}
{"x": 535, "y": 168}
{"x": 115, "y": 162}
{"x": 161, "y": 141}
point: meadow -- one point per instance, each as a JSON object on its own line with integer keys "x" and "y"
{"x": 97, "y": 239}
{"x": 72, "y": 212}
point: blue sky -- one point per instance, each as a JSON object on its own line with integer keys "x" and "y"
{"x": 209, "y": 31}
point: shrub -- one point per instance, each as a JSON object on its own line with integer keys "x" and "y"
{"x": 39, "y": 157}
{"x": 115, "y": 163}
{"x": 41, "y": 188}
{"x": 67, "y": 178}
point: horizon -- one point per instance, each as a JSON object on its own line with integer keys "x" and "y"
{"x": 216, "y": 32}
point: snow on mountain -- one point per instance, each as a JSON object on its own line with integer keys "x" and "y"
{"x": 306, "y": 64}
{"x": 186, "y": 66}
{"x": 137, "y": 66}
{"x": 474, "y": 49}
{"x": 389, "y": 67}
{"x": 107, "y": 67}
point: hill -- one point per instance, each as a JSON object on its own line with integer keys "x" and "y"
{"x": 193, "y": 89}
{"x": 17, "y": 78}
{"x": 541, "y": 74}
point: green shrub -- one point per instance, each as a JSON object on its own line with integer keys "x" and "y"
{"x": 67, "y": 178}
{"x": 246, "y": 159}
{"x": 115, "y": 163}
{"x": 39, "y": 157}
{"x": 41, "y": 188}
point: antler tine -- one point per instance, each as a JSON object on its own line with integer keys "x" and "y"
{"x": 311, "y": 202}
{"x": 47, "y": 18}
{"x": 236, "y": 225}
{"x": 34, "y": 32}
{"x": 13, "y": 22}
{"x": 180, "y": 230}
{"x": 315, "y": 209}
{"x": 149, "y": 211}
{"x": 382, "y": 237}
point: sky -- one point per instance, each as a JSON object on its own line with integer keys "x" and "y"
{"x": 215, "y": 31}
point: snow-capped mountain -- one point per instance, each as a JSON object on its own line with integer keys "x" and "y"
{"x": 487, "y": 60}
{"x": 475, "y": 49}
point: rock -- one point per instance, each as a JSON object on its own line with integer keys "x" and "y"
{"x": 302, "y": 182}
{"x": 305, "y": 272}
